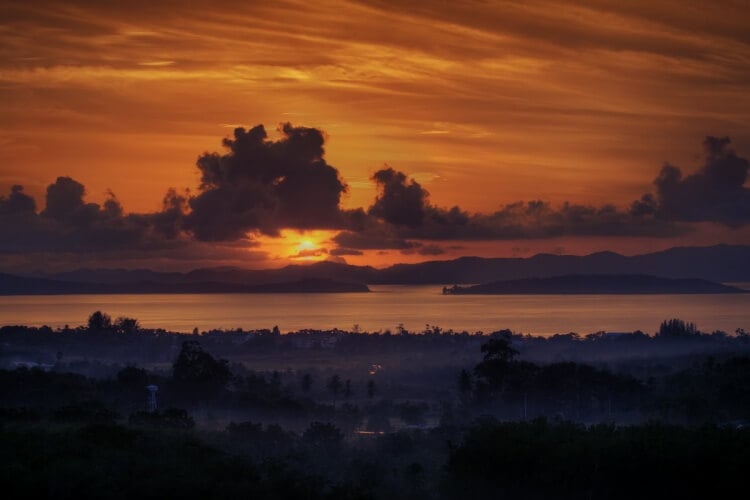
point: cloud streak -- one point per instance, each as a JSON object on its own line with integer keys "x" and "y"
{"x": 576, "y": 90}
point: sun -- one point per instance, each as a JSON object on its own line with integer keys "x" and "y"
{"x": 306, "y": 246}
{"x": 292, "y": 245}
{"x": 301, "y": 246}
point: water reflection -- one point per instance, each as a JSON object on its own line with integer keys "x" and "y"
{"x": 385, "y": 308}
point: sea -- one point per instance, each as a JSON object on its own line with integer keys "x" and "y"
{"x": 388, "y": 308}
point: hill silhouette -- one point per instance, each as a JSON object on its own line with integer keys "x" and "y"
{"x": 596, "y": 284}
{"x": 721, "y": 263}
{"x": 17, "y": 285}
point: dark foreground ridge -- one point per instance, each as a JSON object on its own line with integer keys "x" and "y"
{"x": 344, "y": 415}
{"x": 595, "y": 284}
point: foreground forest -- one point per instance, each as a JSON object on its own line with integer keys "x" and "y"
{"x": 429, "y": 414}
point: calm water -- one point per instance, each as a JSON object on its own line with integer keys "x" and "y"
{"x": 385, "y": 308}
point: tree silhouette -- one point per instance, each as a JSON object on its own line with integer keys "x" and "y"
{"x": 100, "y": 321}
{"x": 414, "y": 473}
{"x": 276, "y": 380}
{"x": 498, "y": 349}
{"x": 132, "y": 377}
{"x": 324, "y": 437}
{"x": 198, "y": 369}
{"x": 306, "y": 383}
{"x": 126, "y": 325}
{"x": 464, "y": 385}
{"x": 171, "y": 418}
{"x": 676, "y": 328}
{"x": 496, "y": 366}
{"x": 334, "y": 385}
{"x": 371, "y": 388}
{"x": 413, "y": 413}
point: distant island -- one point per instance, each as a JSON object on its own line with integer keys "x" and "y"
{"x": 18, "y": 285}
{"x": 594, "y": 284}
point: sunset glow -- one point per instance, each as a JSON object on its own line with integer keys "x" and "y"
{"x": 377, "y": 249}
{"x": 307, "y": 250}
{"x": 484, "y": 105}
{"x": 294, "y": 246}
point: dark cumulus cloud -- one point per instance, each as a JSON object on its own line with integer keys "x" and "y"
{"x": 258, "y": 185}
{"x": 400, "y": 201}
{"x": 17, "y": 220}
{"x": 17, "y": 203}
{"x": 264, "y": 185}
{"x": 169, "y": 220}
{"x": 69, "y": 224}
{"x": 716, "y": 192}
{"x": 402, "y": 214}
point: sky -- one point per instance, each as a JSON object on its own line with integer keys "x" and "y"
{"x": 188, "y": 134}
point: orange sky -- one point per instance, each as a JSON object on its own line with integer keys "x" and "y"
{"x": 483, "y": 103}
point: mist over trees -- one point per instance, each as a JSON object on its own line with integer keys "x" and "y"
{"x": 427, "y": 414}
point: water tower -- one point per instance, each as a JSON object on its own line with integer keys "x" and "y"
{"x": 151, "y": 402}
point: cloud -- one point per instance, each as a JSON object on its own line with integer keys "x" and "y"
{"x": 69, "y": 224}
{"x": 265, "y": 185}
{"x": 378, "y": 236}
{"x": 403, "y": 214}
{"x": 540, "y": 219}
{"x": 716, "y": 192}
{"x": 71, "y": 233}
{"x": 404, "y": 68}
{"x": 338, "y": 252}
{"x": 421, "y": 249}
{"x": 430, "y": 250}
{"x": 65, "y": 201}
{"x": 170, "y": 219}
{"x": 399, "y": 202}
{"x": 308, "y": 253}
{"x": 262, "y": 185}
{"x": 17, "y": 203}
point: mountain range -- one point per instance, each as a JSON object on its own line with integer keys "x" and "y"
{"x": 721, "y": 263}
